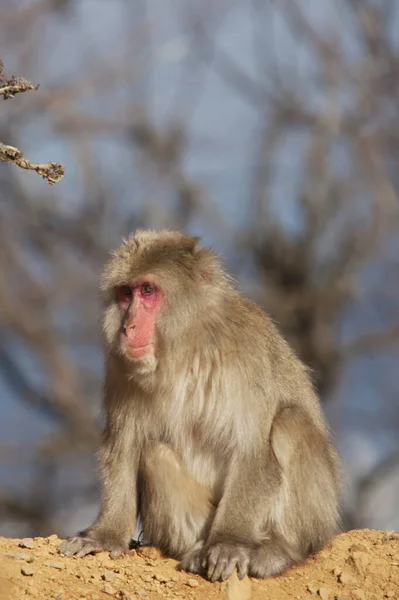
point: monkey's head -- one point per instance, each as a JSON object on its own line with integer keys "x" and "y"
{"x": 158, "y": 286}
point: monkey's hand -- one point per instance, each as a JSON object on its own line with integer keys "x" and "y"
{"x": 218, "y": 560}
{"x": 81, "y": 545}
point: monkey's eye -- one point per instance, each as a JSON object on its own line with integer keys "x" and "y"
{"x": 147, "y": 288}
{"x": 124, "y": 293}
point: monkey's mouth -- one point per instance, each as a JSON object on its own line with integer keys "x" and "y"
{"x": 135, "y": 351}
{"x": 140, "y": 351}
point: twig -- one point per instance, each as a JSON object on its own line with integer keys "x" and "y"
{"x": 16, "y": 85}
{"x": 53, "y": 172}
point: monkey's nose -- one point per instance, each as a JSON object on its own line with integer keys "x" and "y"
{"x": 130, "y": 331}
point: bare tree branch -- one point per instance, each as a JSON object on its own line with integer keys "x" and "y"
{"x": 53, "y": 172}
{"x": 16, "y": 85}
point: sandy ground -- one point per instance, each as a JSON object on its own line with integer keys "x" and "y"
{"x": 359, "y": 565}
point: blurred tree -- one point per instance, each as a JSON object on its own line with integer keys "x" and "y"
{"x": 269, "y": 127}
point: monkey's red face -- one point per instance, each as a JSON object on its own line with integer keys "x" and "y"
{"x": 140, "y": 304}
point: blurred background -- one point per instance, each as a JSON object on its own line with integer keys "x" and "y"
{"x": 268, "y": 127}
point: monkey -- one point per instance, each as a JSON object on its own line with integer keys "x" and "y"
{"x": 214, "y": 433}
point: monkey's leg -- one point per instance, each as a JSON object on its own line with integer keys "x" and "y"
{"x": 275, "y": 509}
{"x": 304, "y": 514}
{"x": 175, "y": 509}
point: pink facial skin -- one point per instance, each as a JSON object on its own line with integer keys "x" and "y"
{"x": 141, "y": 303}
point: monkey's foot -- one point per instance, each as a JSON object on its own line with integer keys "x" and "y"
{"x": 219, "y": 560}
{"x": 192, "y": 561}
{"x": 80, "y": 546}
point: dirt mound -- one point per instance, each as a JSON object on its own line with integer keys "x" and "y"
{"x": 357, "y": 565}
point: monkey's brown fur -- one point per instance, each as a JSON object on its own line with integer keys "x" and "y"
{"x": 216, "y": 436}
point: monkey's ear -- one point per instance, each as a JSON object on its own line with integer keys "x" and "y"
{"x": 190, "y": 243}
{"x": 208, "y": 267}
{"x": 197, "y": 244}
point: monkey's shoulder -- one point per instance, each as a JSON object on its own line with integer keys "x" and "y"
{"x": 246, "y": 322}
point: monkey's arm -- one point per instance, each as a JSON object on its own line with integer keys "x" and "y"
{"x": 115, "y": 523}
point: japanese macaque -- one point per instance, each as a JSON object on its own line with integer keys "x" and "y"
{"x": 214, "y": 434}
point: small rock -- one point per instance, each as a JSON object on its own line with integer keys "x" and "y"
{"x": 390, "y": 594}
{"x": 161, "y": 578}
{"x": 108, "y": 589}
{"x": 358, "y": 593}
{"x": 174, "y": 578}
{"x": 236, "y": 589}
{"x": 360, "y": 560}
{"x": 359, "y": 548}
{"x": 337, "y": 571}
{"x": 324, "y": 593}
{"x": 345, "y": 578}
{"x": 313, "y": 589}
{"x": 141, "y": 593}
{"x": 105, "y": 561}
{"x": 108, "y": 576}
{"x": 147, "y": 578}
{"x": 192, "y": 583}
{"x": 27, "y": 543}
{"x": 53, "y": 539}
{"x": 23, "y": 556}
{"x": 54, "y": 564}
{"x": 34, "y": 591}
{"x": 388, "y": 535}
{"x": 28, "y": 571}
{"x": 148, "y": 569}
{"x": 149, "y": 552}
